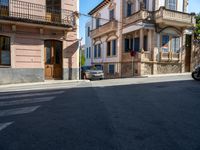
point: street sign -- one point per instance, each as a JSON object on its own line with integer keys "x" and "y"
{"x": 133, "y": 53}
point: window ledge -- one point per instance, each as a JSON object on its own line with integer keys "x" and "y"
{"x": 1, "y": 66}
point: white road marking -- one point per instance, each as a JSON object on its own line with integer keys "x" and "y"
{"x": 31, "y": 94}
{"x": 18, "y": 111}
{"x": 25, "y": 101}
{"x": 4, "y": 125}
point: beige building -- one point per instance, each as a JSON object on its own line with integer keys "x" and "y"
{"x": 142, "y": 37}
{"x": 38, "y": 40}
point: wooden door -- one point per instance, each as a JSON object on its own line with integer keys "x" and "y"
{"x": 188, "y": 53}
{"x": 53, "y": 59}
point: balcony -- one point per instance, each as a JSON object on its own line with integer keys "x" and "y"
{"x": 36, "y": 14}
{"x": 104, "y": 29}
{"x": 169, "y": 56}
{"x": 175, "y": 18}
{"x": 138, "y": 16}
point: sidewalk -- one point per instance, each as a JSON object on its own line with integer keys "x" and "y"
{"x": 50, "y": 82}
{"x": 46, "y": 82}
{"x": 171, "y": 74}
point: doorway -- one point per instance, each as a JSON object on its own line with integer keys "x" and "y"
{"x": 188, "y": 46}
{"x": 53, "y": 59}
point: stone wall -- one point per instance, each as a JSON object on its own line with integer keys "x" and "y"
{"x": 147, "y": 69}
{"x": 196, "y": 55}
{"x": 14, "y": 75}
{"x": 168, "y": 68}
{"x": 128, "y": 71}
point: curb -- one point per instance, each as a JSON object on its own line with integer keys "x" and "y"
{"x": 46, "y": 82}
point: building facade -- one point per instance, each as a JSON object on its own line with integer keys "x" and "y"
{"x": 38, "y": 40}
{"x": 88, "y": 44}
{"x": 142, "y": 37}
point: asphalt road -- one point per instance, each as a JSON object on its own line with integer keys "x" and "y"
{"x": 125, "y": 114}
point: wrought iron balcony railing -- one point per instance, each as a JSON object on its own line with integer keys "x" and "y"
{"x": 16, "y": 10}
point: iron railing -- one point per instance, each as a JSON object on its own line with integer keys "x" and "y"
{"x": 35, "y": 13}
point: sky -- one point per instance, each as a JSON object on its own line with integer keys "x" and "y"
{"x": 87, "y": 5}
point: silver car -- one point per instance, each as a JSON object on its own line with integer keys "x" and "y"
{"x": 94, "y": 74}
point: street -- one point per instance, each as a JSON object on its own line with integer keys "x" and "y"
{"x": 155, "y": 113}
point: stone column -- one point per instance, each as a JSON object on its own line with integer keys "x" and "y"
{"x": 149, "y": 40}
{"x": 12, "y": 49}
{"x": 183, "y": 53}
{"x": 142, "y": 39}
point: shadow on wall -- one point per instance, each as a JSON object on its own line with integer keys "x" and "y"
{"x": 69, "y": 51}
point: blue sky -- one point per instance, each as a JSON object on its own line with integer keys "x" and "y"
{"x": 87, "y": 5}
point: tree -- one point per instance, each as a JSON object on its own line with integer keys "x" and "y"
{"x": 197, "y": 30}
{"x": 82, "y": 60}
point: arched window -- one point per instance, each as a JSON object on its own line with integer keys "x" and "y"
{"x": 4, "y": 50}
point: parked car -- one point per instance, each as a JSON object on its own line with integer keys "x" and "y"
{"x": 83, "y": 70}
{"x": 92, "y": 72}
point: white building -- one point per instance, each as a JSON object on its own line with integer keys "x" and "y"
{"x": 88, "y": 44}
{"x": 153, "y": 31}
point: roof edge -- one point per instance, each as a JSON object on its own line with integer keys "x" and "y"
{"x": 99, "y": 6}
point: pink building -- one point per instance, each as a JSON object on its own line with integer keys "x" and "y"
{"x": 38, "y": 40}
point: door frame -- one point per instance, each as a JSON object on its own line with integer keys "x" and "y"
{"x": 53, "y": 41}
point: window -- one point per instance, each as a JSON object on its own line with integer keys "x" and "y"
{"x": 112, "y": 48}
{"x": 89, "y": 55}
{"x": 128, "y": 44}
{"x": 171, "y": 4}
{"x": 165, "y": 43}
{"x": 145, "y": 4}
{"x": 137, "y": 44}
{"x": 145, "y": 43}
{"x": 4, "y": 3}
{"x": 4, "y": 50}
{"x": 111, "y": 69}
{"x": 175, "y": 44}
{"x": 97, "y": 51}
{"x": 86, "y": 52}
{"x": 112, "y": 14}
{"x": 88, "y": 31}
{"x": 108, "y": 49}
{"x": 4, "y": 8}
{"x": 97, "y": 22}
{"x": 129, "y": 9}
{"x": 53, "y": 5}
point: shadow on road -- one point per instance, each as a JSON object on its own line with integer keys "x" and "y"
{"x": 152, "y": 116}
